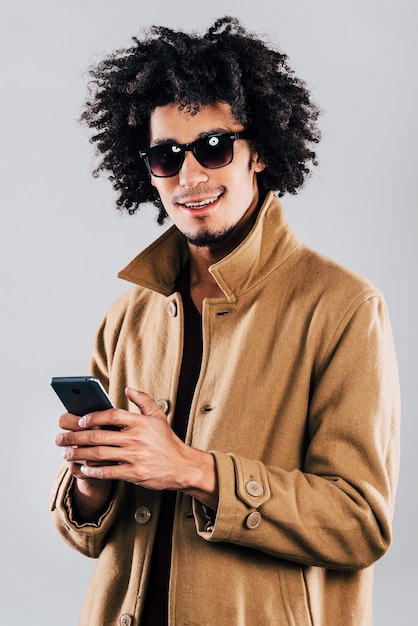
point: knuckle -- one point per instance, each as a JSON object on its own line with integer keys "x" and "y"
{"x": 68, "y": 438}
{"x": 96, "y": 436}
{"x": 99, "y": 472}
{"x": 69, "y": 454}
{"x": 117, "y": 415}
{"x": 99, "y": 454}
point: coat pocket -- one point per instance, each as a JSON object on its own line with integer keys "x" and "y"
{"x": 295, "y": 595}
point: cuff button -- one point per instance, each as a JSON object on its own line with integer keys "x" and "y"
{"x": 253, "y": 520}
{"x": 254, "y": 489}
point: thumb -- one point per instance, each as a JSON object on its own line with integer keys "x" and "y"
{"x": 144, "y": 402}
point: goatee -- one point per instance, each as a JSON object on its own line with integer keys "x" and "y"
{"x": 208, "y": 238}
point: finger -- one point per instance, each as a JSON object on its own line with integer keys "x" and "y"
{"x": 89, "y": 438}
{"x": 144, "y": 402}
{"x": 97, "y": 455}
{"x": 113, "y": 419}
{"x": 75, "y": 469}
{"x": 101, "y": 472}
{"x": 68, "y": 421}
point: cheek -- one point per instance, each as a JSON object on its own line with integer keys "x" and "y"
{"x": 163, "y": 188}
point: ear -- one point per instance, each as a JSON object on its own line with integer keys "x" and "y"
{"x": 259, "y": 166}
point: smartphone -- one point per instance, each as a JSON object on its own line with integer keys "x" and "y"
{"x": 81, "y": 394}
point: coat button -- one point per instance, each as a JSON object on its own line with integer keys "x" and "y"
{"x": 253, "y": 520}
{"x": 142, "y": 515}
{"x": 172, "y": 308}
{"x": 125, "y": 620}
{"x": 163, "y": 405}
{"x": 254, "y": 489}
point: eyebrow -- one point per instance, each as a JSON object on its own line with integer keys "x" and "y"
{"x": 206, "y": 133}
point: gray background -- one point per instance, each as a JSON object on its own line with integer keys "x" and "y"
{"x": 62, "y": 240}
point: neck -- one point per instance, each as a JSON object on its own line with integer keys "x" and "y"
{"x": 204, "y": 256}
{"x": 202, "y": 283}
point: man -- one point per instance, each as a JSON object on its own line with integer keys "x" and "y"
{"x": 250, "y": 479}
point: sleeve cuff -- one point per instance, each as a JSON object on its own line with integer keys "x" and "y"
{"x": 243, "y": 489}
{"x": 68, "y": 506}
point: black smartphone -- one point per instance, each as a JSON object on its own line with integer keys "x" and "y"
{"x": 81, "y": 394}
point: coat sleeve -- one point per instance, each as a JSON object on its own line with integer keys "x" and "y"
{"x": 87, "y": 538}
{"x": 336, "y": 510}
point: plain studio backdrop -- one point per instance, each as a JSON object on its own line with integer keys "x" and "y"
{"x": 63, "y": 241}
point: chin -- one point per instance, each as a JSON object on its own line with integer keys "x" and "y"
{"x": 207, "y": 238}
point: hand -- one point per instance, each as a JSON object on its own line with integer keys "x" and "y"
{"x": 90, "y": 496}
{"x": 144, "y": 450}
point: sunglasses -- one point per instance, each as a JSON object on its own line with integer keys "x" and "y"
{"x": 211, "y": 151}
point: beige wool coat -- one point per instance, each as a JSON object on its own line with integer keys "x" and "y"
{"x": 298, "y": 400}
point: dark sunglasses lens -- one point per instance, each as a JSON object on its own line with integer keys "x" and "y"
{"x": 165, "y": 160}
{"x": 214, "y": 151}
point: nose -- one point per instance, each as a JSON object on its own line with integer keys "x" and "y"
{"x": 192, "y": 173}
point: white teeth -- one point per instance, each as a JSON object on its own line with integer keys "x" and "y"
{"x": 197, "y": 205}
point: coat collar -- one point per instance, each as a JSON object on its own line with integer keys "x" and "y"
{"x": 268, "y": 245}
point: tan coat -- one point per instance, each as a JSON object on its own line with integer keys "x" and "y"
{"x": 297, "y": 398}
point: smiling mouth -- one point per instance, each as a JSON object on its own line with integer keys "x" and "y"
{"x": 199, "y": 198}
{"x": 201, "y": 204}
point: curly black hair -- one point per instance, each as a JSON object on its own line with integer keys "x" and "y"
{"x": 226, "y": 64}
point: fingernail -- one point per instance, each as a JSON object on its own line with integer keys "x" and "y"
{"x": 131, "y": 389}
{"x": 82, "y": 421}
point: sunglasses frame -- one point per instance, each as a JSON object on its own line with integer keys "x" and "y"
{"x": 191, "y": 147}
